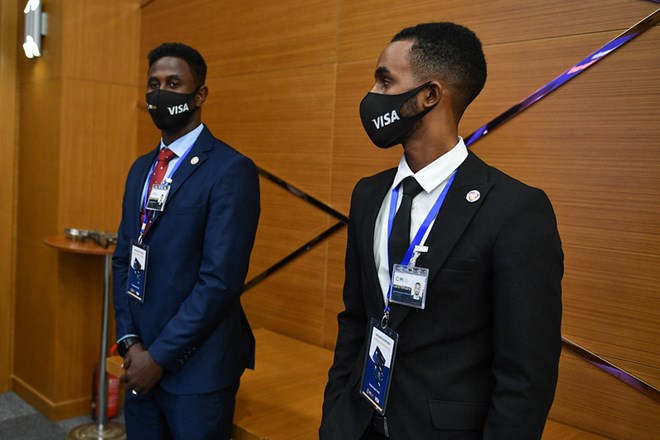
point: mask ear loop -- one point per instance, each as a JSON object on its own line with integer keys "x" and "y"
{"x": 416, "y": 118}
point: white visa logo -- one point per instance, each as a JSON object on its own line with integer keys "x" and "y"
{"x": 175, "y": 110}
{"x": 385, "y": 119}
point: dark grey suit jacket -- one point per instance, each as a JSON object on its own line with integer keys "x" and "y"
{"x": 480, "y": 361}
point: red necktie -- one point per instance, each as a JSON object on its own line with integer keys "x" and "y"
{"x": 164, "y": 157}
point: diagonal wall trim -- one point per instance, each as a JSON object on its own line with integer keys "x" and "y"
{"x": 293, "y": 255}
{"x": 634, "y": 31}
{"x": 303, "y": 195}
{"x": 612, "y": 369}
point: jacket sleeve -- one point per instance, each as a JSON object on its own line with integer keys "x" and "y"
{"x": 120, "y": 263}
{"x": 527, "y": 272}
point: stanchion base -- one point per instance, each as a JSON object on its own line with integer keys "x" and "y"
{"x": 110, "y": 430}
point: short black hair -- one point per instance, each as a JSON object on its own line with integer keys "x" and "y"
{"x": 186, "y": 53}
{"x": 451, "y": 52}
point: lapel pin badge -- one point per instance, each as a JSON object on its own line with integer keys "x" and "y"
{"x": 473, "y": 196}
{"x": 194, "y": 160}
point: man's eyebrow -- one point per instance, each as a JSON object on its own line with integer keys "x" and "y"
{"x": 381, "y": 70}
{"x": 169, "y": 77}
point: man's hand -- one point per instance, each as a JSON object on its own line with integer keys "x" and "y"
{"x": 142, "y": 372}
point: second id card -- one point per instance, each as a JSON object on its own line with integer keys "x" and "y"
{"x": 158, "y": 197}
{"x": 137, "y": 271}
{"x": 378, "y": 363}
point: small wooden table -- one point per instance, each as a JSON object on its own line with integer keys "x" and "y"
{"x": 102, "y": 429}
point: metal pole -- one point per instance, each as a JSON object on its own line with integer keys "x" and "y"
{"x": 102, "y": 429}
{"x": 102, "y": 406}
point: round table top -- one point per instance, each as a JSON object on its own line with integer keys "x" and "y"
{"x": 89, "y": 247}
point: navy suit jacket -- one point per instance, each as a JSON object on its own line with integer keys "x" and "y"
{"x": 191, "y": 320}
{"x": 480, "y": 361}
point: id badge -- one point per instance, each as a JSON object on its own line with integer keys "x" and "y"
{"x": 409, "y": 285}
{"x": 378, "y": 363}
{"x": 158, "y": 197}
{"x": 137, "y": 271}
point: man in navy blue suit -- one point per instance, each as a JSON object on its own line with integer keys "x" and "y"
{"x": 189, "y": 217}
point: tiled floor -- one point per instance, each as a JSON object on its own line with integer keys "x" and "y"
{"x": 19, "y": 421}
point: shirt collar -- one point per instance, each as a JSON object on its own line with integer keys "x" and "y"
{"x": 437, "y": 171}
{"x": 183, "y": 144}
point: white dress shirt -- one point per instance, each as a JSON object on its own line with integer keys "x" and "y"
{"x": 432, "y": 178}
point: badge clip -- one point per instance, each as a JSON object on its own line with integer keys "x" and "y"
{"x": 419, "y": 250}
{"x": 385, "y": 319}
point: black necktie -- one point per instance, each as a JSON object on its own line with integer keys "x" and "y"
{"x": 400, "y": 235}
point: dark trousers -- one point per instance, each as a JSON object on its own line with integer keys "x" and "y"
{"x": 159, "y": 415}
{"x": 371, "y": 434}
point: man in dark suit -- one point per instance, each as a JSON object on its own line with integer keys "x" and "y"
{"x": 478, "y": 357}
{"x": 180, "y": 324}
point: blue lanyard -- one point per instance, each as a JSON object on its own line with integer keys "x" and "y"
{"x": 433, "y": 213}
{"x": 149, "y": 215}
{"x": 169, "y": 173}
{"x": 416, "y": 241}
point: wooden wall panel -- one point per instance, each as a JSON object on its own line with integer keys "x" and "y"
{"x": 77, "y": 116}
{"x": 100, "y": 36}
{"x": 38, "y": 158}
{"x": 236, "y": 37}
{"x": 291, "y": 301}
{"x": 77, "y": 325}
{"x": 100, "y": 147}
{"x": 36, "y": 306}
{"x": 282, "y": 231}
{"x": 591, "y": 399}
{"x": 600, "y": 172}
{"x": 282, "y": 119}
{"x": 365, "y": 26}
{"x": 517, "y": 70}
{"x": 8, "y": 181}
{"x": 35, "y": 319}
{"x": 333, "y": 296}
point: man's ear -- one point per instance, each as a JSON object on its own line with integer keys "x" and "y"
{"x": 200, "y": 96}
{"x": 433, "y": 94}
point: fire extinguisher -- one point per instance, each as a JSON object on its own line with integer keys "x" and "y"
{"x": 112, "y": 391}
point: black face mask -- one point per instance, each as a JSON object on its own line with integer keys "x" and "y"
{"x": 382, "y": 119}
{"x": 170, "y": 110}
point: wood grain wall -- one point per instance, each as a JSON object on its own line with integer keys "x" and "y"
{"x": 8, "y": 175}
{"x": 78, "y": 117}
{"x": 285, "y": 81}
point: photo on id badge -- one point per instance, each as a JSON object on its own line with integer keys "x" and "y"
{"x": 409, "y": 286}
{"x": 158, "y": 197}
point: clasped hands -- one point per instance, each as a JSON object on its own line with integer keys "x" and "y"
{"x": 141, "y": 371}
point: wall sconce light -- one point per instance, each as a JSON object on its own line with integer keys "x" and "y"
{"x": 35, "y": 27}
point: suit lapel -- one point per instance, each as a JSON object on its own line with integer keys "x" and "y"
{"x": 191, "y": 162}
{"x": 453, "y": 218}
